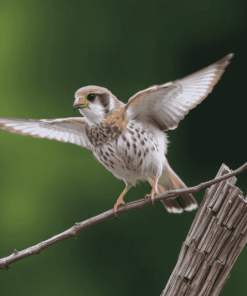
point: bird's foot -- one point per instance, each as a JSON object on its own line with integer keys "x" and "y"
{"x": 153, "y": 192}
{"x": 119, "y": 202}
{"x": 150, "y": 196}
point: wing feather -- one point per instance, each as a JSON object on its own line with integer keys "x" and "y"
{"x": 168, "y": 103}
{"x": 77, "y": 140}
{"x": 69, "y": 130}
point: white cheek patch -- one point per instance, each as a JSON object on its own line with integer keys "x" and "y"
{"x": 95, "y": 112}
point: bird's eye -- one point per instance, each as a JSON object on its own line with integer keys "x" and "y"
{"x": 91, "y": 97}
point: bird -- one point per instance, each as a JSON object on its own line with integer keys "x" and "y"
{"x": 129, "y": 139}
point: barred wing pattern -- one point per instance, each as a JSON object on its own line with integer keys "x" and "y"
{"x": 68, "y": 130}
{"x": 166, "y": 104}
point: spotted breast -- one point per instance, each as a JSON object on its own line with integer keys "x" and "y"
{"x": 133, "y": 154}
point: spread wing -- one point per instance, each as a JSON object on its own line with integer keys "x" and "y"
{"x": 68, "y": 130}
{"x": 166, "y": 104}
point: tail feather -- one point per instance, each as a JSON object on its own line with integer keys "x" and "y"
{"x": 170, "y": 181}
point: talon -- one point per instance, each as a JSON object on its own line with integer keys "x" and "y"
{"x": 153, "y": 193}
{"x": 152, "y": 198}
{"x": 115, "y": 214}
{"x": 146, "y": 197}
{"x": 154, "y": 189}
{"x": 118, "y": 203}
{"x": 120, "y": 200}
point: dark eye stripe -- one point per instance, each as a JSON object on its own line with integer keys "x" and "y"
{"x": 105, "y": 100}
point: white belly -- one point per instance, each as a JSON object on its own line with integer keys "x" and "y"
{"x": 136, "y": 155}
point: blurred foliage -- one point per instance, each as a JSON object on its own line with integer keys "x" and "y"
{"x": 48, "y": 50}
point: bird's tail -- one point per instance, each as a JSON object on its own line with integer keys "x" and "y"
{"x": 170, "y": 181}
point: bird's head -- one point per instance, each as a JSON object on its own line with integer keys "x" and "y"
{"x": 94, "y": 103}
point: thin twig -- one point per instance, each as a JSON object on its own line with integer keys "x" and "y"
{"x": 75, "y": 229}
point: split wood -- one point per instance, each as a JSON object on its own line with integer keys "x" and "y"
{"x": 214, "y": 242}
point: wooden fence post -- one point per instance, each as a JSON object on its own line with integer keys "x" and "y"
{"x": 215, "y": 240}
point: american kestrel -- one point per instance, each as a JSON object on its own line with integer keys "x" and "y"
{"x": 129, "y": 139}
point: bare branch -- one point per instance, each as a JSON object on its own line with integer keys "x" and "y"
{"x": 74, "y": 230}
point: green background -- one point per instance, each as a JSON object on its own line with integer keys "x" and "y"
{"x": 49, "y": 49}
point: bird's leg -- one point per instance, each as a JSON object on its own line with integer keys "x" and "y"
{"x": 120, "y": 200}
{"x": 154, "y": 184}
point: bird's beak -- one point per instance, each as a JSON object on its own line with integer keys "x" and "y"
{"x": 80, "y": 103}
